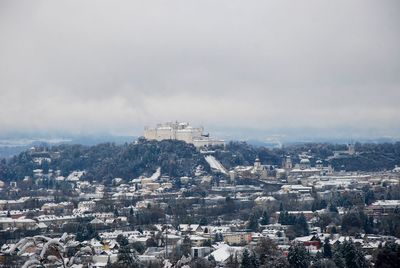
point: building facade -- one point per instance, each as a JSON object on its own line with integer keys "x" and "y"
{"x": 181, "y": 131}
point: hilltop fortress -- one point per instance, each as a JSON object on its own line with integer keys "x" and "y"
{"x": 181, "y": 131}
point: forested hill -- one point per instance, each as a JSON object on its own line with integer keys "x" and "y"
{"x": 108, "y": 161}
{"x": 176, "y": 158}
{"x": 368, "y": 157}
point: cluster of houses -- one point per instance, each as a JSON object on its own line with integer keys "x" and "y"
{"x": 45, "y": 214}
{"x": 162, "y": 240}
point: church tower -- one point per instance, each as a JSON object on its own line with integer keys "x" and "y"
{"x": 287, "y": 163}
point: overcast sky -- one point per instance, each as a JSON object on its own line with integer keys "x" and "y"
{"x": 268, "y": 66}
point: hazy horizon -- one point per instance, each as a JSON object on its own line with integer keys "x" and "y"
{"x": 254, "y": 136}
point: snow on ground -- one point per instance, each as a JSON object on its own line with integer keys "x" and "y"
{"x": 215, "y": 164}
{"x": 156, "y": 174}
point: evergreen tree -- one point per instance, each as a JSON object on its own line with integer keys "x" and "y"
{"x": 232, "y": 262}
{"x": 388, "y": 256}
{"x": 369, "y": 225}
{"x": 221, "y": 237}
{"x": 211, "y": 259}
{"x": 353, "y": 222}
{"x": 217, "y": 238}
{"x": 85, "y": 232}
{"x": 350, "y": 255}
{"x": 301, "y": 225}
{"x": 116, "y": 213}
{"x": 253, "y": 222}
{"x": 281, "y": 218}
{"x": 266, "y": 249}
{"x": 186, "y": 246}
{"x": 254, "y": 263}
{"x": 126, "y": 256}
{"x": 327, "y": 248}
{"x": 203, "y": 221}
{"x": 229, "y": 204}
{"x": 298, "y": 256}
{"x": 122, "y": 240}
{"x": 338, "y": 260}
{"x": 277, "y": 262}
{"x": 369, "y": 197}
{"x": 265, "y": 218}
{"x": 246, "y": 260}
{"x": 332, "y": 208}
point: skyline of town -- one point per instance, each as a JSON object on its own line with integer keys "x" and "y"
{"x": 199, "y": 134}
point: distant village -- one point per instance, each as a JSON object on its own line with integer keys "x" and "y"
{"x": 216, "y": 218}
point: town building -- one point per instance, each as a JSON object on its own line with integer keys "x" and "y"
{"x": 181, "y": 131}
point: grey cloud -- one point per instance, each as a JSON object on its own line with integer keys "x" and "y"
{"x": 87, "y": 66}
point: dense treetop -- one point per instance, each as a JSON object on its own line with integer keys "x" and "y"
{"x": 107, "y": 161}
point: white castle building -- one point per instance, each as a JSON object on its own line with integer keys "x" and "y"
{"x": 181, "y": 131}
